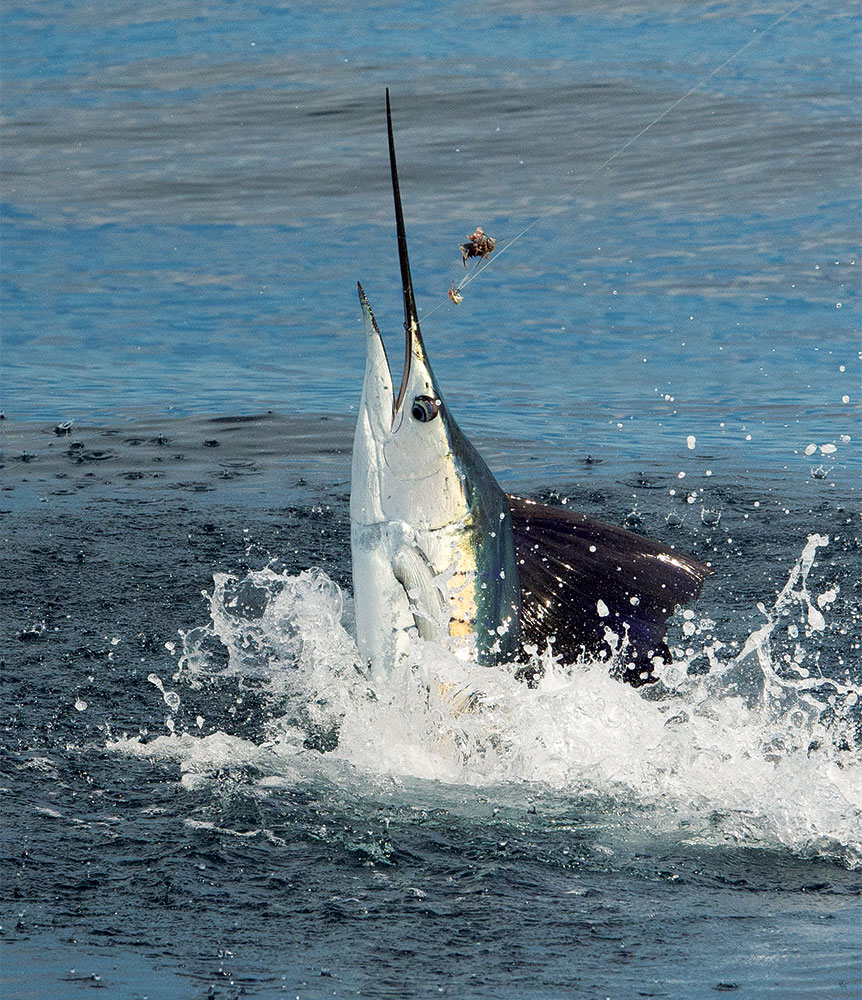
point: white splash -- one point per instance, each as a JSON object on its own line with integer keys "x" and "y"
{"x": 172, "y": 699}
{"x": 754, "y": 747}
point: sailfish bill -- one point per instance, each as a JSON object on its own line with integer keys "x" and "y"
{"x": 441, "y": 551}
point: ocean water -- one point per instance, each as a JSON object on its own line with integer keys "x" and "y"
{"x": 203, "y": 796}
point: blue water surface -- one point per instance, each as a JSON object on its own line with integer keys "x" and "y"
{"x": 190, "y": 199}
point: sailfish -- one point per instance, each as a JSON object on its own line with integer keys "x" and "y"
{"x": 439, "y": 550}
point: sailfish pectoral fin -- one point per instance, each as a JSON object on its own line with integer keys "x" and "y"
{"x": 427, "y": 605}
{"x": 580, "y": 578}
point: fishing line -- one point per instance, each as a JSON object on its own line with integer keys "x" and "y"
{"x": 671, "y": 107}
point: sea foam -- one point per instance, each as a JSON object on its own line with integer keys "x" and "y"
{"x": 755, "y": 747}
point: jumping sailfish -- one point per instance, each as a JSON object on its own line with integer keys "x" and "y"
{"x": 439, "y": 549}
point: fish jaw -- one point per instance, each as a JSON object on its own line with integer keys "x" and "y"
{"x": 373, "y": 426}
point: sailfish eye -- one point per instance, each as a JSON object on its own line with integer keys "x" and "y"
{"x": 425, "y": 408}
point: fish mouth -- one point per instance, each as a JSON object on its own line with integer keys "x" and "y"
{"x": 382, "y": 402}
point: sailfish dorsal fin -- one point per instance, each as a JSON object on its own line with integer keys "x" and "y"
{"x": 580, "y": 577}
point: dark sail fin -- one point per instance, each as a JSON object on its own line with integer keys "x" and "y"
{"x": 580, "y": 577}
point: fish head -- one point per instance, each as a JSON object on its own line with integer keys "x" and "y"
{"x": 407, "y": 462}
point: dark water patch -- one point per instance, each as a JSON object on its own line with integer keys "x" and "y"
{"x": 246, "y": 419}
{"x": 82, "y": 455}
{"x": 159, "y": 441}
{"x": 302, "y": 869}
{"x": 177, "y": 454}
